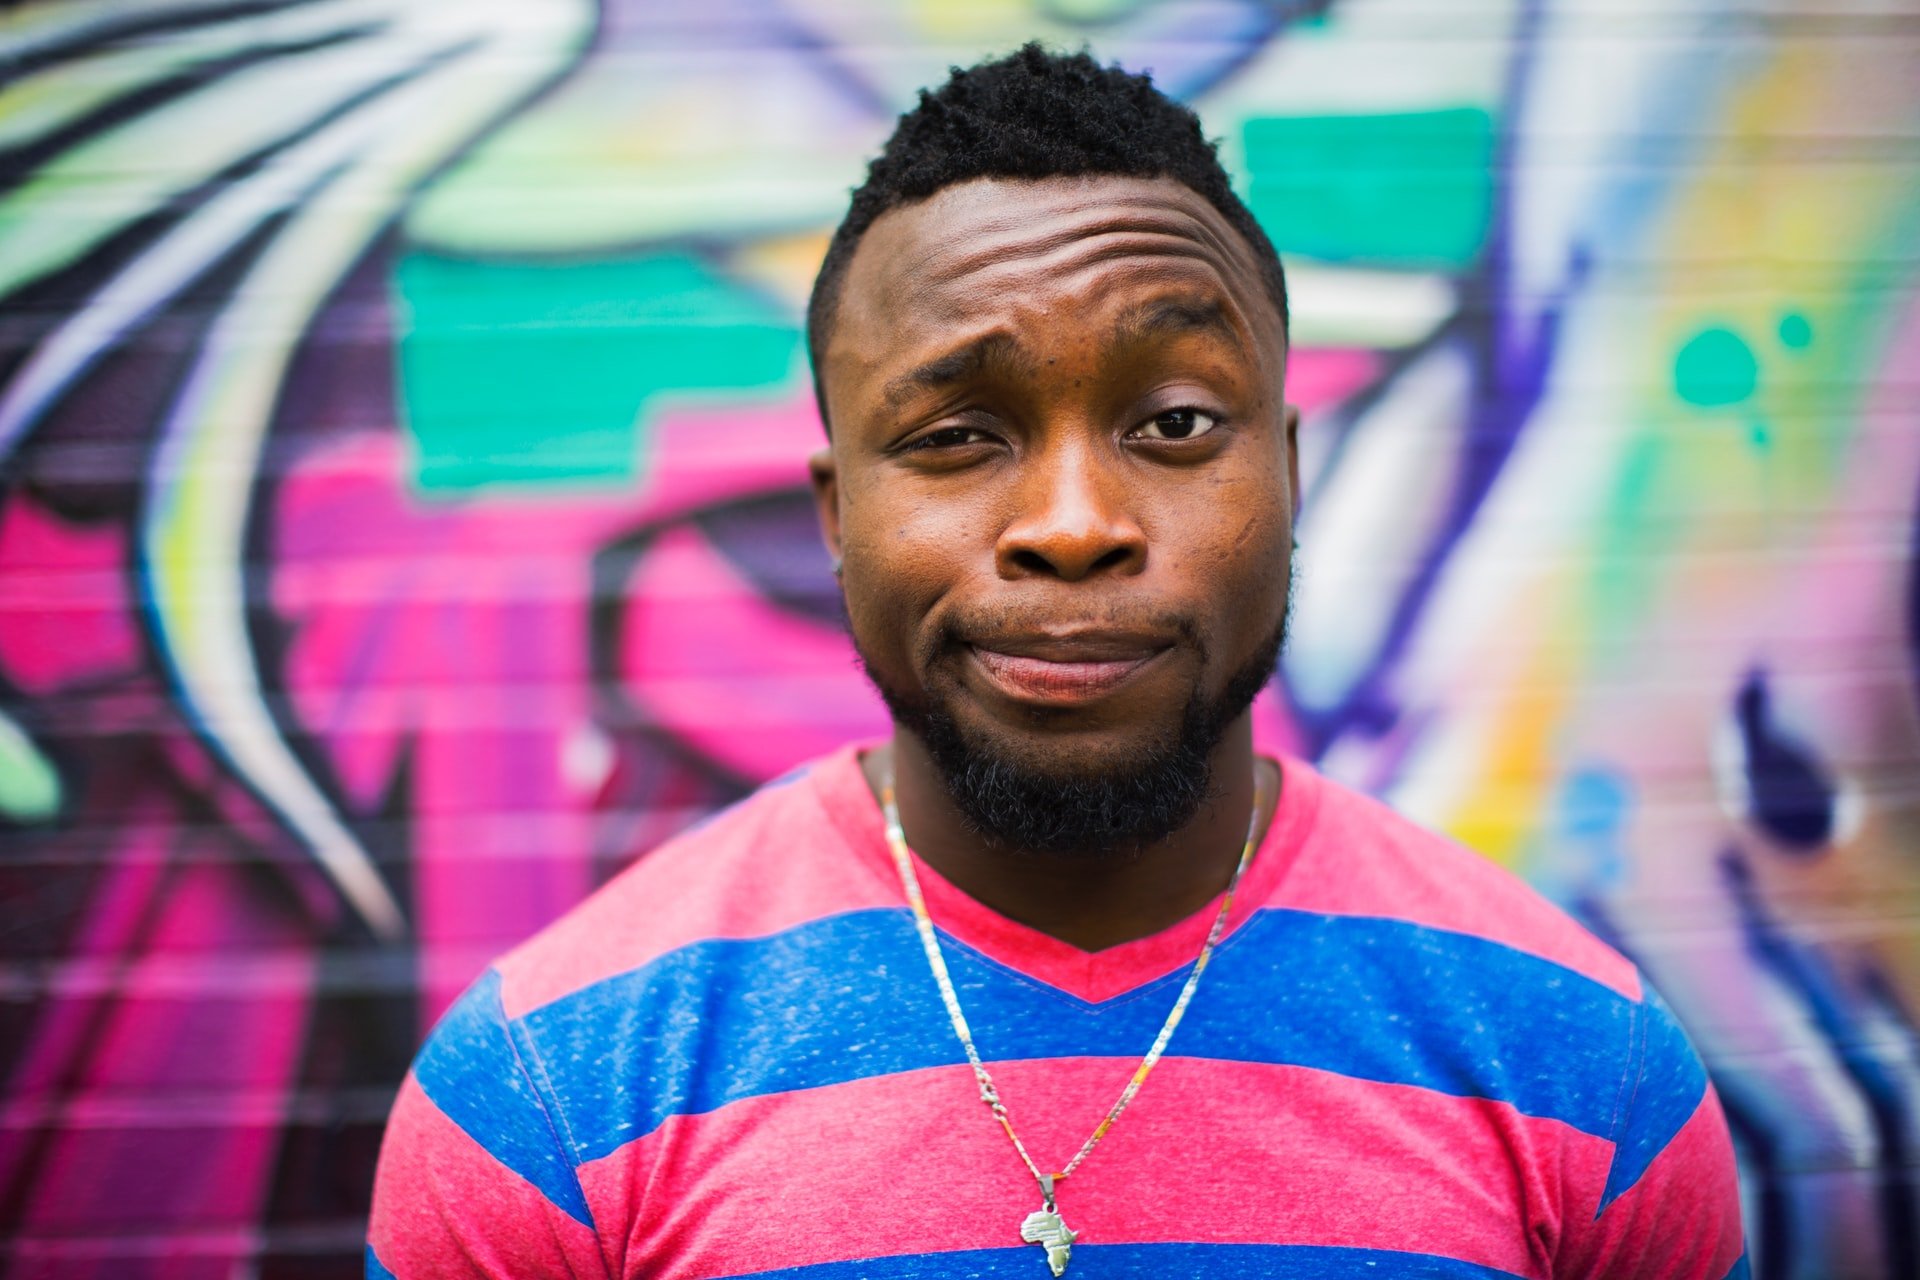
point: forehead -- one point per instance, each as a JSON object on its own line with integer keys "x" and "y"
{"x": 982, "y": 255}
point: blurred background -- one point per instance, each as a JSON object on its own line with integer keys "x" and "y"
{"x": 402, "y": 524}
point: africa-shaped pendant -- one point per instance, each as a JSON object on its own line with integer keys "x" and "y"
{"x": 1044, "y": 1227}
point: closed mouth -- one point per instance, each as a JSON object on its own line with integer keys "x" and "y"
{"x": 1060, "y": 670}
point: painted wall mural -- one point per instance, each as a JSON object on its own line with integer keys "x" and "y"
{"x": 402, "y": 524}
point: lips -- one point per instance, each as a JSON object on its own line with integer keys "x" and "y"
{"x": 1061, "y": 671}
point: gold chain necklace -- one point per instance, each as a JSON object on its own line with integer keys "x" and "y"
{"x": 1044, "y": 1226}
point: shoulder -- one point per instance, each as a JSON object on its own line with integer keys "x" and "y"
{"x": 786, "y": 854}
{"x": 1531, "y": 1012}
{"x": 1359, "y": 857}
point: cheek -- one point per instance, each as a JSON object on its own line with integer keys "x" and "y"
{"x": 896, "y": 564}
{"x": 1241, "y": 552}
{"x": 1262, "y": 544}
{"x": 872, "y": 610}
{"x": 1225, "y": 508}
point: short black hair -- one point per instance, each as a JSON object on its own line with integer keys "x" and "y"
{"x": 1032, "y": 114}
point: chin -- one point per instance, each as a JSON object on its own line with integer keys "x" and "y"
{"x": 1058, "y": 791}
{"x": 1068, "y": 753}
{"x": 1074, "y": 782}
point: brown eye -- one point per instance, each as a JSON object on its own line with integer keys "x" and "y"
{"x": 1178, "y": 424}
{"x": 949, "y": 437}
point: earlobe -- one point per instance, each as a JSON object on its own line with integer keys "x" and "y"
{"x": 826, "y": 500}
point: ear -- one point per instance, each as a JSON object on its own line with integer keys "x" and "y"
{"x": 826, "y": 499}
{"x": 1291, "y": 418}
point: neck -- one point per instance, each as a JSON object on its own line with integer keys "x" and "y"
{"x": 1090, "y": 903}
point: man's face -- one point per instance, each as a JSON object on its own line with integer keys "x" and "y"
{"x": 1062, "y": 471}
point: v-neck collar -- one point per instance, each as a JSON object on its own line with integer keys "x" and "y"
{"x": 1094, "y": 976}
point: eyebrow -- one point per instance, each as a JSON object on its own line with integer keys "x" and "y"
{"x": 960, "y": 365}
{"x": 1168, "y": 317}
{"x": 1159, "y": 318}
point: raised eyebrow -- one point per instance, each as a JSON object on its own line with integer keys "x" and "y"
{"x": 1164, "y": 317}
{"x": 958, "y": 365}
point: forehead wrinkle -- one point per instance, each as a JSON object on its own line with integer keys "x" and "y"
{"x": 990, "y": 217}
{"x": 1059, "y": 261}
{"x": 1109, "y": 238}
{"x": 1071, "y": 274}
{"x": 993, "y": 238}
{"x": 1182, "y": 309}
{"x": 1184, "y": 301}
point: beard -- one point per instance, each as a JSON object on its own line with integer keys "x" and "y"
{"x": 1083, "y": 813}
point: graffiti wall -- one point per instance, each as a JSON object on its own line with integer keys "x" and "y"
{"x": 402, "y": 524}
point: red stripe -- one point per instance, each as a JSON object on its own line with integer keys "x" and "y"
{"x": 1091, "y": 975}
{"x": 1361, "y": 858}
{"x": 1328, "y": 850}
{"x": 816, "y": 848}
{"x": 444, "y": 1207}
{"x": 769, "y": 865}
{"x": 1210, "y": 1152}
{"x": 1681, "y": 1220}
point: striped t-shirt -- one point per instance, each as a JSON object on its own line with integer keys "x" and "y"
{"x": 733, "y": 1061}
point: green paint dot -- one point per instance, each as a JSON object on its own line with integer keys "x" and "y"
{"x": 1795, "y": 330}
{"x": 1714, "y": 369}
{"x": 29, "y": 786}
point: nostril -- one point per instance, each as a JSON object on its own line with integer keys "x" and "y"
{"x": 1069, "y": 562}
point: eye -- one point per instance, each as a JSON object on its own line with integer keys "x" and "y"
{"x": 950, "y": 438}
{"x": 1177, "y": 424}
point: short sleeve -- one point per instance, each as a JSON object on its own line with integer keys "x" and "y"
{"x": 475, "y": 1177}
{"x": 1670, "y": 1205}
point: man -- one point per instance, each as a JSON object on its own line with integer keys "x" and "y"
{"x": 1066, "y": 976}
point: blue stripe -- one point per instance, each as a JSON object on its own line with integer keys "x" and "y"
{"x": 472, "y": 1071}
{"x": 790, "y": 777}
{"x": 1739, "y": 1270}
{"x": 376, "y": 1269}
{"x": 1666, "y": 1092}
{"x": 1152, "y": 1262}
{"x": 849, "y": 997}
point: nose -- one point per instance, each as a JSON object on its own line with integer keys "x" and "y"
{"x": 1073, "y": 518}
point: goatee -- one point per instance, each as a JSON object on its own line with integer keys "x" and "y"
{"x": 1110, "y": 811}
